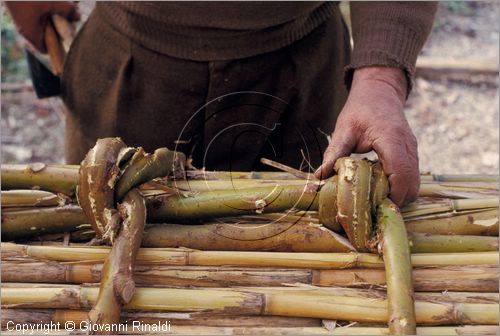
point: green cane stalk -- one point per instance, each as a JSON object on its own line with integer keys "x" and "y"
{"x": 397, "y": 261}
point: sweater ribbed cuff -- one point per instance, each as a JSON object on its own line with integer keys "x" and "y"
{"x": 385, "y": 43}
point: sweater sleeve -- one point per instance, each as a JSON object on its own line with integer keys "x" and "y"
{"x": 389, "y": 33}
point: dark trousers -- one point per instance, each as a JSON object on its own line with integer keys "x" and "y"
{"x": 225, "y": 114}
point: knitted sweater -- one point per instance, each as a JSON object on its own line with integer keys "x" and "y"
{"x": 384, "y": 33}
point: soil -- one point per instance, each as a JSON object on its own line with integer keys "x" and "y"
{"x": 456, "y": 122}
{"x": 32, "y": 129}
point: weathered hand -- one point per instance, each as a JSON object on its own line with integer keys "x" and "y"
{"x": 373, "y": 119}
{"x": 31, "y": 17}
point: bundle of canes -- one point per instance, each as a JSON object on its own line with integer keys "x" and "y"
{"x": 354, "y": 200}
{"x": 116, "y": 209}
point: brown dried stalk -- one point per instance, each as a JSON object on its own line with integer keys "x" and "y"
{"x": 117, "y": 284}
{"x": 107, "y": 174}
{"x": 95, "y": 191}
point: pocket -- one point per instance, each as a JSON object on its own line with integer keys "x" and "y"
{"x": 92, "y": 64}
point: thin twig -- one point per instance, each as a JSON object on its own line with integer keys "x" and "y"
{"x": 287, "y": 169}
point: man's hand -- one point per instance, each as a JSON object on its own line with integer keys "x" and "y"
{"x": 31, "y": 17}
{"x": 373, "y": 119}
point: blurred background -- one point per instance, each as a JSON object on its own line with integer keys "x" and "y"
{"x": 453, "y": 108}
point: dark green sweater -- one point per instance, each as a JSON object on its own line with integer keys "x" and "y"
{"x": 384, "y": 33}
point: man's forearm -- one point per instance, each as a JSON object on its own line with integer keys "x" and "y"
{"x": 390, "y": 77}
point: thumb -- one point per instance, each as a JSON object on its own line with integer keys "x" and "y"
{"x": 342, "y": 144}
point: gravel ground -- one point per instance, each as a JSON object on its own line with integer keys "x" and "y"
{"x": 32, "y": 129}
{"x": 456, "y": 126}
{"x": 465, "y": 29}
{"x": 456, "y": 123}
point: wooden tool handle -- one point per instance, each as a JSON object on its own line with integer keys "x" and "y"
{"x": 54, "y": 47}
